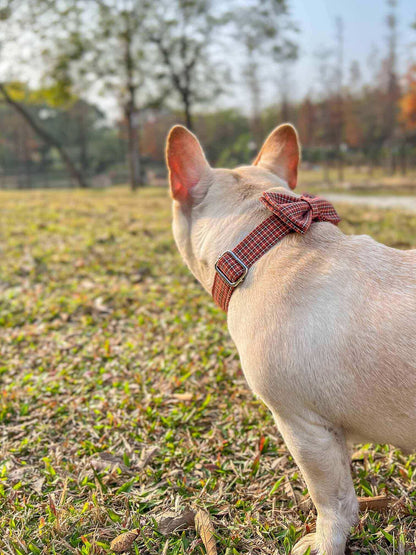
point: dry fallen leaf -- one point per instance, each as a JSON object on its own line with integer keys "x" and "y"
{"x": 99, "y": 306}
{"x": 183, "y": 396}
{"x": 37, "y": 485}
{"x": 147, "y": 455}
{"x": 205, "y": 529}
{"x": 124, "y": 541}
{"x": 17, "y": 474}
{"x": 108, "y": 461}
{"x": 169, "y": 522}
{"x": 377, "y": 503}
{"x": 359, "y": 455}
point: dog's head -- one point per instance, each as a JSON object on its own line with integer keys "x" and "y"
{"x": 211, "y": 207}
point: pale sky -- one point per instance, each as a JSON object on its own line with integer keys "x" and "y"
{"x": 365, "y": 32}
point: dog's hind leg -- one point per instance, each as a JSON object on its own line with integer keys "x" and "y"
{"x": 321, "y": 453}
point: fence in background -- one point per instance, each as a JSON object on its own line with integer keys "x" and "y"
{"x": 58, "y": 180}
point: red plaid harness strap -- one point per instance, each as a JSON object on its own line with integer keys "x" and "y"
{"x": 290, "y": 214}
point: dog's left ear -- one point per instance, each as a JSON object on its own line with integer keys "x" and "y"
{"x": 280, "y": 154}
{"x": 186, "y": 163}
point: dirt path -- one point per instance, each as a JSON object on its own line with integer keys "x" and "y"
{"x": 390, "y": 201}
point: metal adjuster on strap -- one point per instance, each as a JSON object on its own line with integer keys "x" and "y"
{"x": 221, "y": 273}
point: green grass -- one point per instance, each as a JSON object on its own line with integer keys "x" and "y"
{"x": 122, "y": 398}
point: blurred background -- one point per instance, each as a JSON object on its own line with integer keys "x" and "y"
{"x": 89, "y": 88}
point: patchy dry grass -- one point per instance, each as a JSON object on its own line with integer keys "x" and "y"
{"x": 358, "y": 181}
{"x": 122, "y": 398}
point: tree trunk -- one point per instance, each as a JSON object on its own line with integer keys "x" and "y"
{"x": 393, "y": 163}
{"x": 285, "y": 109}
{"x": 188, "y": 115}
{"x": 253, "y": 82}
{"x": 340, "y": 164}
{"x": 83, "y": 137}
{"x": 133, "y": 149}
{"x": 403, "y": 158}
{"x": 325, "y": 166}
{"x": 131, "y": 111}
{"x": 47, "y": 137}
{"x": 188, "y": 119}
{"x": 27, "y": 159}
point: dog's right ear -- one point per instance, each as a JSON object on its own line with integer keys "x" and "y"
{"x": 186, "y": 162}
{"x": 280, "y": 154}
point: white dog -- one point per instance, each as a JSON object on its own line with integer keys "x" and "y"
{"x": 324, "y": 323}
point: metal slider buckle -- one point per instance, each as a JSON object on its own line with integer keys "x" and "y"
{"x": 241, "y": 278}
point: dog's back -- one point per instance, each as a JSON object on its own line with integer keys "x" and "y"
{"x": 337, "y": 333}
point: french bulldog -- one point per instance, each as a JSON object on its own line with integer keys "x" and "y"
{"x": 324, "y": 323}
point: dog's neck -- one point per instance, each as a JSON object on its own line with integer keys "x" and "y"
{"x": 206, "y": 239}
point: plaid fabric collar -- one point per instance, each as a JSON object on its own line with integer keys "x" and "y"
{"x": 289, "y": 214}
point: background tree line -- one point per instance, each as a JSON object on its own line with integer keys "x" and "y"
{"x": 163, "y": 62}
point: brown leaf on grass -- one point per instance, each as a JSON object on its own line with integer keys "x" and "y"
{"x": 124, "y": 541}
{"x": 359, "y": 455}
{"x": 403, "y": 473}
{"x": 99, "y": 306}
{"x": 170, "y": 522}
{"x": 37, "y": 485}
{"x": 147, "y": 455}
{"x": 108, "y": 461}
{"x": 205, "y": 529}
{"x": 377, "y": 503}
{"x": 17, "y": 474}
{"x": 183, "y": 396}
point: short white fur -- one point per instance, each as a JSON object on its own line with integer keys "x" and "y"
{"x": 325, "y": 325}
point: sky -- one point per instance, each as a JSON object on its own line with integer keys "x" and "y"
{"x": 365, "y": 33}
{"x": 365, "y": 40}
{"x": 364, "y": 30}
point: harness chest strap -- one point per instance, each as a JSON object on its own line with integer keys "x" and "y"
{"x": 289, "y": 214}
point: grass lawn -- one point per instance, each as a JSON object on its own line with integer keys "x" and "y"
{"x": 357, "y": 180}
{"x": 122, "y": 398}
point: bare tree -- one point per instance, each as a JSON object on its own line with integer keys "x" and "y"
{"x": 265, "y": 31}
{"x": 7, "y": 12}
{"x": 99, "y": 45}
{"x": 325, "y": 77}
{"x": 252, "y": 76}
{"x": 111, "y": 53}
{"x": 47, "y": 137}
{"x": 183, "y": 32}
{"x": 339, "y": 24}
{"x": 392, "y": 85}
{"x": 131, "y": 112}
{"x": 284, "y": 86}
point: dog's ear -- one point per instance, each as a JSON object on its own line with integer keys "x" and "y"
{"x": 186, "y": 162}
{"x": 280, "y": 154}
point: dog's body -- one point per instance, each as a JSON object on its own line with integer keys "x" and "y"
{"x": 324, "y": 323}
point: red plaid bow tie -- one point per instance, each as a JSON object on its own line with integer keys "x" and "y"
{"x": 289, "y": 214}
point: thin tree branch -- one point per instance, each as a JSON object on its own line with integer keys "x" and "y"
{"x": 46, "y": 137}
